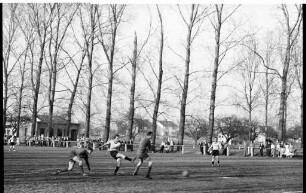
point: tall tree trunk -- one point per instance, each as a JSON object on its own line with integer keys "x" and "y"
{"x": 302, "y": 140}
{"x": 132, "y": 91}
{"x": 36, "y": 92}
{"x": 215, "y": 74}
{"x": 22, "y": 71}
{"x": 160, "y": 80}
{"x": 281, "y": 124}
{"x": 292, "y": 33}
{"x": 90, "y": 48}
{"x": 73, "y": 93}
{"x": 115, "y": 20}
{"x": 186, "y": 81}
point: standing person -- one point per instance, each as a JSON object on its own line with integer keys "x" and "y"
{"x": 12, "y": 142}
{"x": 261, "y": 147}
{"x": 75, "y": 156}
{"x": 215, "y": 147}
{"x": 201, "y": 144}
{"x": 162, "y": 146}
{"x": 114, "y": 145}
{"x": 142, "y": 154}
{"x": 171, "y": 145}
{"x": 272, "y": 149}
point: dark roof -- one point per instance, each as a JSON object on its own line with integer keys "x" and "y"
{"x": 168, "y": 124}
{"x": 56, "y": 119}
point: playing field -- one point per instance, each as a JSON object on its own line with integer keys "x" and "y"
{"x": 30, "y": 169}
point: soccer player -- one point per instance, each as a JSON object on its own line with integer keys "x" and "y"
{"x": 215, "y": 147}
{"x": 142, "y": 154}
{"x": 114, "y": 144}
{"x": 12, "y": 143}
{"x": 76, "y": 155}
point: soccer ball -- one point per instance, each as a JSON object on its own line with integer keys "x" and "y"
{"x": 186, "y": 173}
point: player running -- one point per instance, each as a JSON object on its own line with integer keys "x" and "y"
{"x": 76, "y": 155}
{"x": 114, "y": 144}
{"x": 142, "y": 154}
{"x": 215, "y": 147}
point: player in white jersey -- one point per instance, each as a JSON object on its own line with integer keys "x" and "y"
{"x": 215, "y": 147}
{"x": 114, "y": 144}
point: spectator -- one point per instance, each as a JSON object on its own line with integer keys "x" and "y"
{"x": 245, "y": 148}
{"x": 171, "y": 145}
{"x": 225, "y": 149}
{"x": 277, "y": 148}
{"x": 261, "y": 147}
{"x": 287, "y": 152}
{"x": 162, "y": 146}
{"x": 282, "y": 149}
{"x": 201, "y": 144}
{"x": 272, "y": 149}
{"x": 17, "y": 141}
{"x": 268, "y": 148}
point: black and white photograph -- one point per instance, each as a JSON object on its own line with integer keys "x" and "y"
{"x": 157, "y": 96}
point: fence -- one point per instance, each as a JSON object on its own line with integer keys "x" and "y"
{"x": 131, "y": 147}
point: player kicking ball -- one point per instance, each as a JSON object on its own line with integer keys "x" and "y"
{"x": 142, "y": 154}
{"x": 215, "y": 147}
{"x": 114, "y": 144}
{"x": 77, "y": 155}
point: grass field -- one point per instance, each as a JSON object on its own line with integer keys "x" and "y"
{"x": 30, "y": 169}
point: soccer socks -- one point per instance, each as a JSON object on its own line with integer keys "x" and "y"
{"x": 218, "y": 163}
{"x": 136, "y": 170}
{"x": 81, "y": 169}
{"x": 116, "y": 170}
{"x": 212, "y": 163}
{"x": 148, "y": 172}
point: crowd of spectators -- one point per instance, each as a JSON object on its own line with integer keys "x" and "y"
{"x": 276, "y": 149}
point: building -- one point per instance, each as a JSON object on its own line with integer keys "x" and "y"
{"x": 59, "y": 127}
{"x": 167, "y": 129}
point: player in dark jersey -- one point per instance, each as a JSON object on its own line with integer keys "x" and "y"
{"x": 114, "y": 144}
{"x": 76, "y": 155}
{"x": 142, "y": 154}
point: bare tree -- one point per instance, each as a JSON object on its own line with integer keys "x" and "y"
{"x": 28, "y": 35}
{"x": 219, "y": 56}
{"x": 160, "y": 78}
{"x": 231, "y": 127}
{"x": 267, "y": 87}
{"x": 108, "y": 42}
{"x": 249, "y": 71}
{"x": 89, "y": 35}
{"x": 196, "y": 128}
{"x": 40, "y": 18}
{"x": 298, "y": 65}
{"x": 132, "y": 91}
{"x": 9, "y": 39}
{"x": 292, "y": 32}
{"x": 61, "y": 20}
{"x": 195, "y": 18}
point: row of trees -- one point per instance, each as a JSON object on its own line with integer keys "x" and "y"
{"x": 56, "y": 54}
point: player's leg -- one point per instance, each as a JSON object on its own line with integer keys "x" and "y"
{"x": 120, "y": 155}
{"x": 149, "y": 167}
{"x": 70, "y": 167}
{"x": 212, "y": 160}
{"x": 138, "y": 166}
{"x": 217, "y": 157}
{"x": 79, "y": 160}
{"x": 118, "y": 165}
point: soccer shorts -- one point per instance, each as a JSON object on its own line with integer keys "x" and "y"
{"x": 215, "y": 153}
